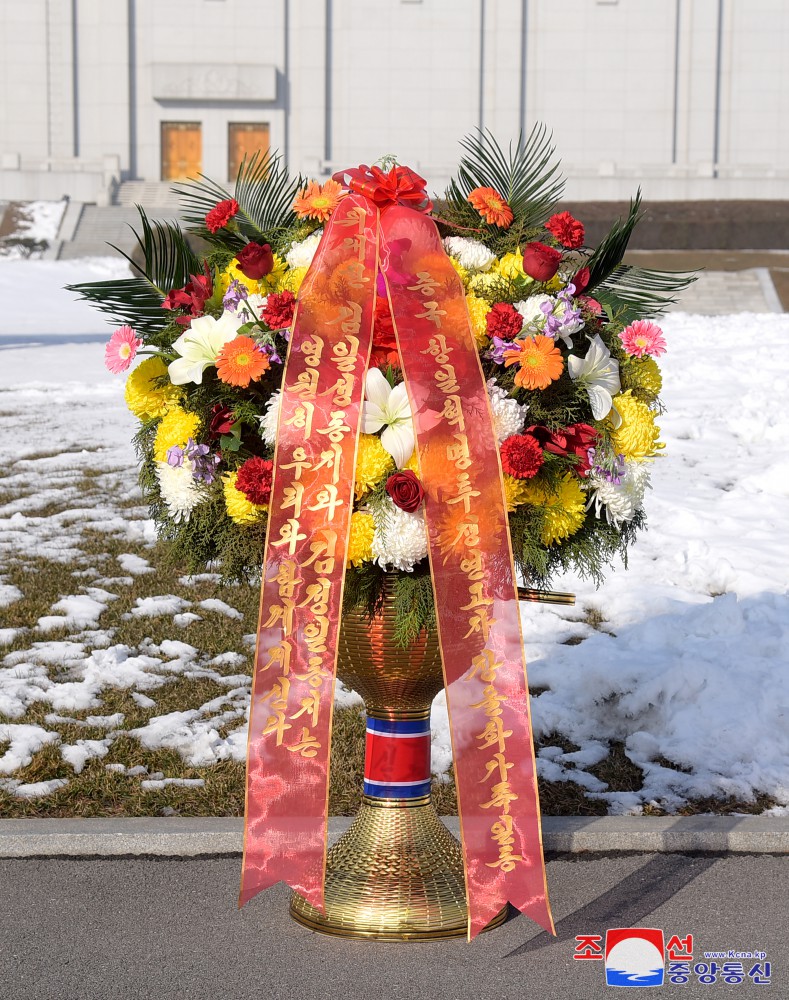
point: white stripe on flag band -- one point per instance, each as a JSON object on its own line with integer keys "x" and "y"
{"x": 399, "y": 736}
{"x": 397, "y": 784}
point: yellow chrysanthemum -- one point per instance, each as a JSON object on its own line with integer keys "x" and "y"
{"x": 485, "y": 284}
{"x": 459, "y": 268}
{"x": 478, "y": 309}
{"x": 238, "y": 508}
{"x": 262, "y": 286}
{"x": 360, "y": 539}
{"x": 146, "y": 400}
{"x": 563, "y": 506}
{"x": 638, "y": 435}
{"x": 372, "y": 463}
{"x": 176, "y": 427}
{"x": 514, "y": 492}
{"x": 413, "y": 462}
{"x": 510, "y": 266}
{"x": 643, "y": 373}
{"x": 555, "y": 284}
{"x": 292, "y": 279}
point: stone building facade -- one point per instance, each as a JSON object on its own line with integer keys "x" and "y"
{"x": 686, "y": 97}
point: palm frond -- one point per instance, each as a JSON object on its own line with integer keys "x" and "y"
{"x": 526, "y": 174}
{"x": 265, "y": 195}
{"x": 635, "y": 292}
{"x": 167, "y": 263}
{"x": 608, "y": 256}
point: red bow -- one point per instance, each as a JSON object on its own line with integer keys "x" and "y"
{"x": 401, "y": 186}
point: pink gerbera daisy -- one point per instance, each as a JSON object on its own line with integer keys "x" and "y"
{"x": 121, "y": 349}
{"x": 643, "y": 337}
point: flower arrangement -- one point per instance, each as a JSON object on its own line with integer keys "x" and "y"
{"x": 561, "y": 329}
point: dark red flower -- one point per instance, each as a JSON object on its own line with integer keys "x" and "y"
{"x": 192, "y": 296}
{"x": 405, "y": 490}
{"x": 541, "y": 262}
{"x": 279, "y": 309}
{"x": 504, "y": 321}
{"x": 581, "y": 279}
{"x": 567, "y": 230}
{"x": 521, "y": 456}
{"x": 576, "y": 439}
{"x": 384, "y": 352}
{"x": 255, "y": 261}
{"x": 254, "y": 480}
{"x": 222, "y": 420}
{"x": 221, "y": 214}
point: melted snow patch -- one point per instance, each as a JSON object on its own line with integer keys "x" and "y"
{"x": 77, "y": 610}
{"x": 25, "y": 741}
{"x": 154, "y": 607}
{"x": 134, "y": 564}
{"x": 212, "y": 604}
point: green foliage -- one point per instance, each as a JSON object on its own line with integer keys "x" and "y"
{"x": 264, "y": 193}
{"x": 633, "y": 293}
{"x": 168, "y": 263}
{"x": 526, "y": 175}
{"x": 414, "y": 605}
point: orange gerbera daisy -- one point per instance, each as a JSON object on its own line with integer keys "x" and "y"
{"x": 540, "y": 362}
{"x": 241, "y": 361}
{"x": 317, "y": 201}
{"x": 491, "y": 206}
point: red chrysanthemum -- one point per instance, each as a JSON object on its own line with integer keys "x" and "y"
{"x": 521, "y": 456}
{"x": 504, "y": 321}
{"x": 254, "y": 480}
{"x": 279, "y": 310}
{"x": 567, "y": 230}
{"x": 221, "y": 214}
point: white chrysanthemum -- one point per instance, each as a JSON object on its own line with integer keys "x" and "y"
{"x": 620, "y": 500}
{"x": 535, "y": 316}
{"x": 509, "y": 416}
{"x": 471, "y": 254}
{"x": 531, "y": 310}
{"x": 179, "y": 489}
{"x": 269, "y": 422}
{"x": 400, "y": 538}
{"x": 301, "y": 254}
{"x": 252, "y": 307}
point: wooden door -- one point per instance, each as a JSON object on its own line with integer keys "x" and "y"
{"x": 244, "y": 139}
{"x": 182, "y": 150}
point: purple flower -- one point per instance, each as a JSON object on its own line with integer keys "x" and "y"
{"x": 236, "y": 293}
{"x": 499, "y": 347}
{"x": 271, "y": 349}
{"x": 175, "y": 456}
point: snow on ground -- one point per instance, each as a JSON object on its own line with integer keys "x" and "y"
{"x": 687, "y": 667}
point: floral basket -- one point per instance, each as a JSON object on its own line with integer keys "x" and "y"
{"x": 322, "y": 316}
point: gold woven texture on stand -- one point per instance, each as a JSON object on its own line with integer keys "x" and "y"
{"x": 397, "y": 873}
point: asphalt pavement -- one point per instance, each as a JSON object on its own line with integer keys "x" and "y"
{"x": 143, "y": 928}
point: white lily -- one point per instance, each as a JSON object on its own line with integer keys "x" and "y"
{"x": 598, "y": 372}
{"x": 389, "y": 408}
{"x": 199, "y": 346}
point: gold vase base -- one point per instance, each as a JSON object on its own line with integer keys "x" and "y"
{"x": 395, "y": 875}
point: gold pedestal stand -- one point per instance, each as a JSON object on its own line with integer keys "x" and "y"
{"x": 397, "y": 874}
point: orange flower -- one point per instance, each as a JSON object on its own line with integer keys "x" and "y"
{"x": 491, "y": 206}
{"x": 317, "y": 201}
{"x": 241, "y": 361}
{"x": 540, "y": 360}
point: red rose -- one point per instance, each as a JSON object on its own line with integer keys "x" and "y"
{"x": 405, "y": 490}
{"x": 521, "y": 456}
{"x": 576, "y": 439}
{"x": 254, "y": 480}
{"x": 541, "y": 262}
{"x": 221, "y": 214}
{"x": 255, "y": 261}
{"x": 581, "y": 280}
{"x": 384, "y": 352}
{"x": 221, "y": 422}
{"x": 504, "y": 321}
{"x": 567, "y": 230}
{"x": 278, "y": 313}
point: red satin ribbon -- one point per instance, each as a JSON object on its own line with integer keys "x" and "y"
{"x": 469, "y": 546}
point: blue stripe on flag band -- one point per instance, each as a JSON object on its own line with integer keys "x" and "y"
{"x": 398, "y": 727}
{"x": 396, "y": 790}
